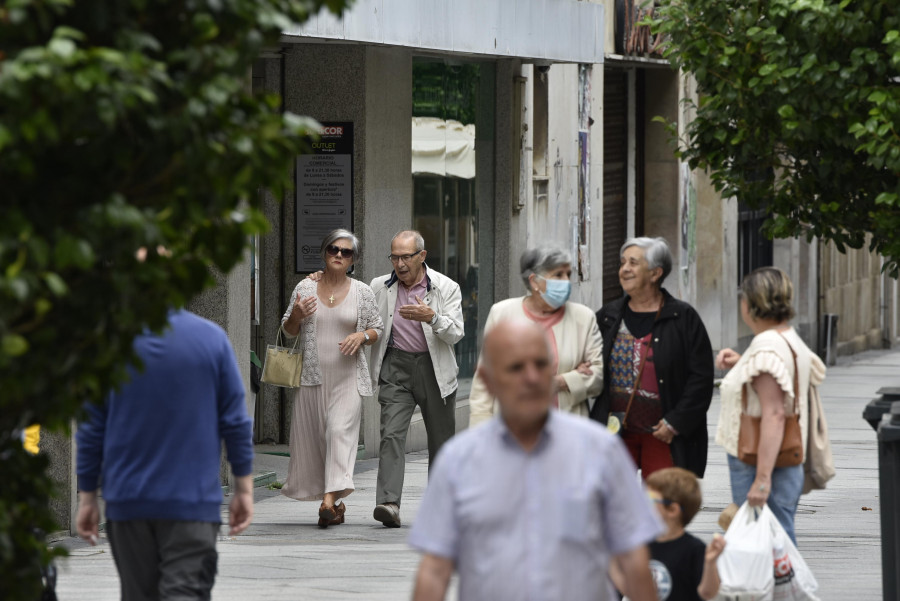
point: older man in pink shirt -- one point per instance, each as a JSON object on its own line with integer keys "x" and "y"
{"x": 413, "y": 363}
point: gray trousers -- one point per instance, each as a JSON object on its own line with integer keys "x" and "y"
{"x": 407, "y": 380}
{"x": 164, "y": 560}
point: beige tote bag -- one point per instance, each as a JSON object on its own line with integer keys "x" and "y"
{"x": 283, "y": 365}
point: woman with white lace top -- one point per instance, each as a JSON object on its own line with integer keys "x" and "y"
{"x": 335, "y": 317}
{"x": 766, "y": 369}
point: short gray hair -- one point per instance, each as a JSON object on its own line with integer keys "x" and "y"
{"x": 656, "y": 251}
{"x": 542, "y": 259}
{"x": 416, "y": 236}
{"x": 340, "y": 234}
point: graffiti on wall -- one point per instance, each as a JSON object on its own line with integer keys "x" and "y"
{"x": 688, "y": 223}
{"x": 584, "y": 173}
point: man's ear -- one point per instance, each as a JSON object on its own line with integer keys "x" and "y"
{"x": 424, "y": 255}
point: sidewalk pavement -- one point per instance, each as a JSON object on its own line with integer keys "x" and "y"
{"x": 285, "y": 556}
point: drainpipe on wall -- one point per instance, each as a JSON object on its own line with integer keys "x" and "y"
{"x": 282, "y": 434}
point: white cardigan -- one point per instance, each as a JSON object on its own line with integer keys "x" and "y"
{"x": 367, "y": 318}
{"x": 577, "y": 340}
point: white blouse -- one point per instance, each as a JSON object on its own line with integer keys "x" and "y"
{"x": 768, "y": 353}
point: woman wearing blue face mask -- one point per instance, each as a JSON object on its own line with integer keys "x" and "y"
{"x": 658, "y": 365}
{"x": 571, "y": 331}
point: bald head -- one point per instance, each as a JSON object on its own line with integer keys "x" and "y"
{"x": 410, "y": 236}
{"x": 408, "y": 256}
{"x": 508, "y": 333}
{"x": 517, "y": 369}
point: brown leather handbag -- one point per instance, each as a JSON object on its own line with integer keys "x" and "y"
{"x": 791, "y": 452}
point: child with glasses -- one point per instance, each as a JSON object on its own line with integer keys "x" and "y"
{"x": 684, "y": 568}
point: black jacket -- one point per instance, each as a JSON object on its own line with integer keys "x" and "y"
{"x": 682, "y": 355}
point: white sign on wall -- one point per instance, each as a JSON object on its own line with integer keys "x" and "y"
{"x": 324, "y": 193}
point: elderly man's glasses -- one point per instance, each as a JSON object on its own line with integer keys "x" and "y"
{"x": 334, "y": 251}
{"x": 404, "y": 258}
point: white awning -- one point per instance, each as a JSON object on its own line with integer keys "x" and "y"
{"x": 443, "y": 148}
{"x": 565, "y": 31}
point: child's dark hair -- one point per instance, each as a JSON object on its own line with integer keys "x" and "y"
{"x": 681, "y": 486}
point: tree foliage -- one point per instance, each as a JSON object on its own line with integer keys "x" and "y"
{"x": 123, "y": 124}
{"x": 798, "y": 111}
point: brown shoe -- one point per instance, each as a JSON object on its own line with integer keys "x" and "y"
{"x": 388, "y": 514}
{"x": 337, "y": 515}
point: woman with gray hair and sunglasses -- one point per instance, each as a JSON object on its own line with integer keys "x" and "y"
{"x": 335, "y": 316}
{"x": 571, "y": 328}
{"x": 658, "y": 365}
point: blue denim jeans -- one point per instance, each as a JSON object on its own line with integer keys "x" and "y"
{"x": 787, "y": 484}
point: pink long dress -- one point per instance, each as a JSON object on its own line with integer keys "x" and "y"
{"x": 325, "y": 424}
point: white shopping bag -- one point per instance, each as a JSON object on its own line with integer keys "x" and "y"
{"x": 745, "y": 566}
{"x": 794, "y": 581}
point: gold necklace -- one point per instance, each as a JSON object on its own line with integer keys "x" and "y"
{"x": 331, "y": 298}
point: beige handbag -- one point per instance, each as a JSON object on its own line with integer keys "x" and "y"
{"x": 283, "y": 365}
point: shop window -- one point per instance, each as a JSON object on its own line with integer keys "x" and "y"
{"x": 445, "y": 209}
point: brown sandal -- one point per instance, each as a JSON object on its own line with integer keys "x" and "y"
{"x": 331, "y": 516}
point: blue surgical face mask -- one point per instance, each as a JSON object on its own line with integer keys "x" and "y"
{"x": 557, "y": 293}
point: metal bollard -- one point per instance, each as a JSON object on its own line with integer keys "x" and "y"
{"x": 889, "y": 492}
{"x": 828, "y": 338}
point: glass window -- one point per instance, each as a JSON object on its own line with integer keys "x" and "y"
{"x": 445, "y": 207}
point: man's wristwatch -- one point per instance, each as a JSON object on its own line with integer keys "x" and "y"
{"x": 366, "y": 334}
{"x": 433, "y": 320}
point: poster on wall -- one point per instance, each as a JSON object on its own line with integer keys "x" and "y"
{"x": 324, "y": 200}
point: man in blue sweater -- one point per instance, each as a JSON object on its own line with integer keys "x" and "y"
{"x": 154, "y": 448}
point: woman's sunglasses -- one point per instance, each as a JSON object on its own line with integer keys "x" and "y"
{"x": 334, "y": 251}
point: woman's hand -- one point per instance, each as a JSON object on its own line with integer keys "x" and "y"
{"x": 662, "y": 432}
{"x": 727, "y": 358}
{"x": 759, "y": 491}
{"x": 584, "y": 369}
{"x": 315, "y": 276}
{"x": 351, "y": 343}
{"x": 561, "y": 384}
{"x": 304, "y": 307}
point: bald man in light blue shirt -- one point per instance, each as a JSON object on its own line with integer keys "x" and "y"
{"x": 534, "y": 504}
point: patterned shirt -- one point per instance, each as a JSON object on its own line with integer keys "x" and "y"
{"x": 624, "y": 364}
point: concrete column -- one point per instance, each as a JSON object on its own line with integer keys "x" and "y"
{"x": 273, "y": 296}
{"x": 60, "y": 449}
{"x": 661, "y": 215}
{"x": 486, "y": 193}
{"x": 385, "y": 204}
{"x": 228, "y": 304}
{"x": 372, "y": 87}
{"x": 507, "y": 234}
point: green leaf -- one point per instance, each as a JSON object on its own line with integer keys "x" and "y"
{"x": 786, "y": 111}
{"x": 56, "y": 284}
{"x": 13, "y": 345}
{"x": 877, "y": 97}
{"x": 62, "y": 47}
{"x": 71, "y": 251}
